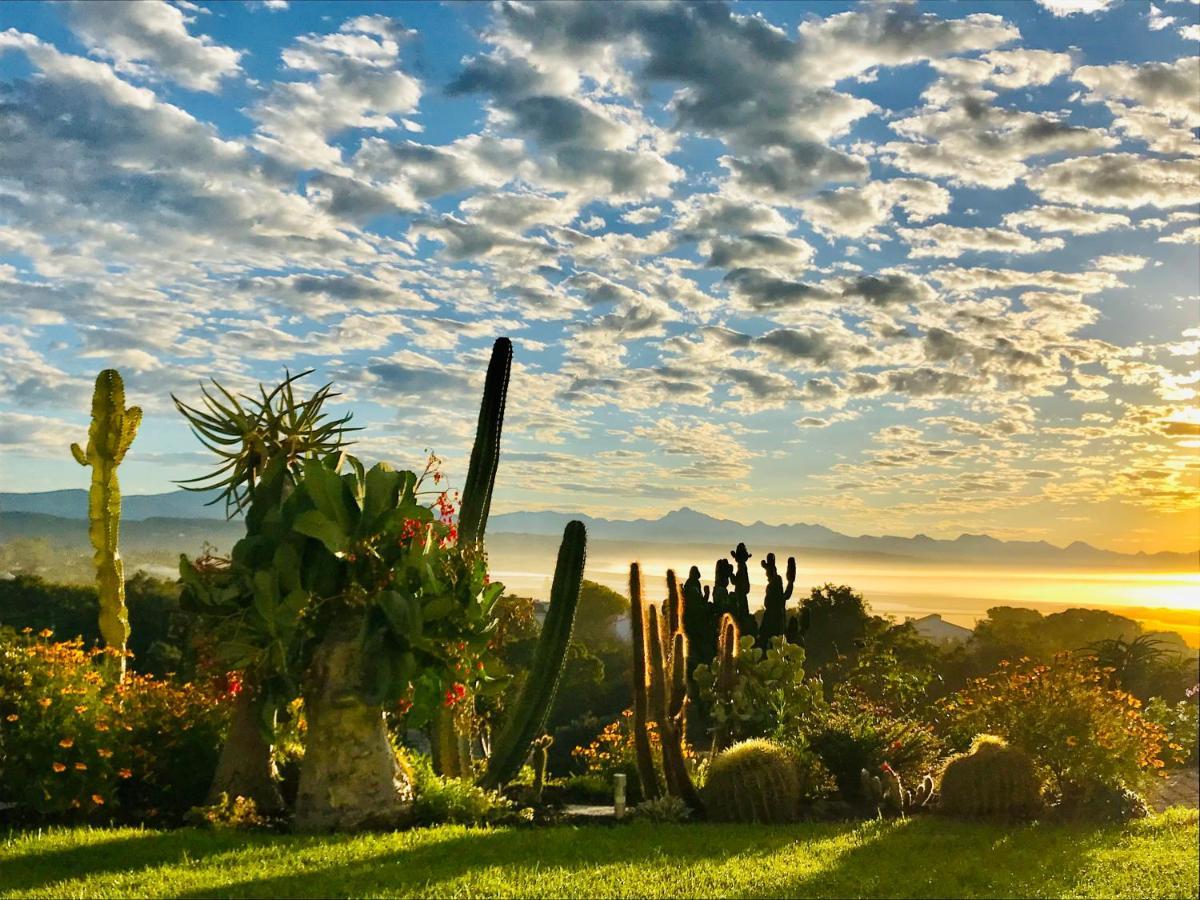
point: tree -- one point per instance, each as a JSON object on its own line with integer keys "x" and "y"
{"x": 833, "y": 623}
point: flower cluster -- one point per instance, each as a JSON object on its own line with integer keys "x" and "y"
{"x": 75, "y": 744}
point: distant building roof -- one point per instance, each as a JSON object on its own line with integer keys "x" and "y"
{"x": 934, "y": 628}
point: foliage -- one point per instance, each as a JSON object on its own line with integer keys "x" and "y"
{"x": 1108, "y": 803}
{"x": 613, "y": 751}
{"x": 768, "y": 691}
{"x": 238, "y": 813}
{"x": 992, "y": 779}
{"x": 851, "y": 735}
{"x": 249, "y": 433}
{"x": 1076, "y": 729}
{"x": 664, "y": 810}
{"x": 161, "y": 633}
{"x": 833, "y": 623}
{"x": 75, "y": 744}
{"x": 753, "y": 781}
{"x": 441, "y": 800}
{"x": 1180, "y": 722}
{"x": 110, "y": 435}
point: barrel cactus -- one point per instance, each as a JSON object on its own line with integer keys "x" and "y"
{"x": 991, "y": 779}
{"x": 753, "y": 781}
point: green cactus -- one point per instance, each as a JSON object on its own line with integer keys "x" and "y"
{"x": 753, "y": 781}
{"x": 485, "y": 454}
{"x": 533, "y": 706}
{"x": 541, "y": 760}
{"x": 112, "y": 430}
{"x": 641, "y": 685}
{"x": 726, "y": 678}
{"x": 886, "y": 791}
{"x": 991, "y": 779}
{"x": 668, "y": 693}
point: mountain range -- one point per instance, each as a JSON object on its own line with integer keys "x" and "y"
{"x": 680, "y": 526}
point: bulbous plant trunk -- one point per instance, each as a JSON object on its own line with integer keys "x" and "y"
{"x": 246, "y": 767}
{"x": 350, "y": 779}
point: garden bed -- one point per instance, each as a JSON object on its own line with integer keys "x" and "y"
{"x": 920, "y": 857}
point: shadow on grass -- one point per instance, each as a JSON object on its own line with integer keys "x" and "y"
{"x": 125, "y": 852}
{"x": 425, "y": 865}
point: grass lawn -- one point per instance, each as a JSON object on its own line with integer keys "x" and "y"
{"x": 923, "y": 857}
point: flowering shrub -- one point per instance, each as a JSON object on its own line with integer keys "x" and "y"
{"x": 1080, "y": 732}
{"x": 1180, "y": 721}
{"x": 75, "y": 745}
{"x": 612, "y": 751}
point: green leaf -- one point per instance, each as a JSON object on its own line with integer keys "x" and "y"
{"x": 402, "y": 614}
{"x": 328, "y": 493}
{"x": 316, "y": 524}
{"x": 383, "y": 484}
{"x": 437, "y": 608}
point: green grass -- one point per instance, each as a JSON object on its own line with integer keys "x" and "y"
{"x": 923, "y": 857}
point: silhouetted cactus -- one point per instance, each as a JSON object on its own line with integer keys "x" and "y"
{"x": 699, "y": 622}
{"x": 774, "y": 620}
{"x": 721, "y": 598}
{"x": 992, "y": 779}
{"x": 529, "y": 715}
{"x": 753, "y": 781}
{"x": 110, "y": 434}
{"x": 740, "y": 599}
{"x": 641, "y": 686}
{"x": 726, "y": 677}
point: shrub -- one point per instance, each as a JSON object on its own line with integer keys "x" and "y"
{"x": 1180, "y": 723}
{"x": 754, "y": 781}
{"x": 665, "y": 810}
{"x": 612, "y": 751}
{"x": 1109, "y": 803}
{"x": 849, "y": 739}
{"x": 992, "y": 779}
{"x": 440, "y": 800}
{"x": 75, "y": 745}
{"x": 1078, "y": 731}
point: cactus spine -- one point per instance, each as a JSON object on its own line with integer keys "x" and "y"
{"x": 112, "y": 430}
{"x": 533, "y": 706}
{"x": 641, "y": 685}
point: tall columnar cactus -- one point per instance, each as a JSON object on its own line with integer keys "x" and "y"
{"x": 726, "y": 678}
{"x": 699, "y": 622}
{"x": 741, "y": 592}
{"x": 641, "y": 686}
{"x": 775, "y": 619}
{"x": 485, "y": 454}
{"x": 529, "y": 715}
{"x": 722, "y": 601}
{"x": 112, "y": 430}
{"x": 667, "y": 700}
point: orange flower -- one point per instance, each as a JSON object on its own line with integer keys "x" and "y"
{"x": 80, "y": 767}
{"x": 45, "y": 632}
{"x": 67, "y": 743}
{"x": 81, "y": 709}
{"x": 44, "y": 702}
{"x": 104, "y": 753}
{"x": 97, "y": 799}
{"x": 1072, "y": 740}
{"x": 59, "y": 767}
{"x": 11, "y": 717}
{"x": 125, "y": 773}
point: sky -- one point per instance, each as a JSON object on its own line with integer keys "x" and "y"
{"x": 911, "y": 268}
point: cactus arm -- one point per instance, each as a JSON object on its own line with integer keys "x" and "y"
{"x": 485, "y": 454}
{"x": 641, "y": 736}
{"x": 676, "y": 727}
{"x": 537, "y": 696}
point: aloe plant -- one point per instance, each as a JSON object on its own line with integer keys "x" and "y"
{"x": 110, "y": 435}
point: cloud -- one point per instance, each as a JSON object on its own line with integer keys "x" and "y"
{"x": 952, "y": 241}
{"x": 1074, "y": 7}
{"x": 1066, "y": 219}
{"x": 857, "y": 212}
{"x": 1122, "y": 180}
{"x": 150, "y": 39}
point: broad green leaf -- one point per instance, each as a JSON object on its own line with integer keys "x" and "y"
{"x": 316, "y": 524}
